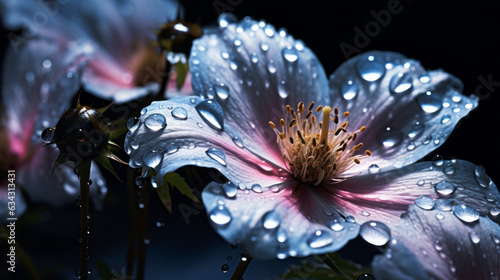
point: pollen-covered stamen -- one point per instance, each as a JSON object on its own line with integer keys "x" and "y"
{"x": 316, "y": 152}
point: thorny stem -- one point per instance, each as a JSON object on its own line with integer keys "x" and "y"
{"x": 129, "y": 267}
{"x": 84, "y": 219}
{"x": 241, "y": 268}
{"x": 143, "y": 227}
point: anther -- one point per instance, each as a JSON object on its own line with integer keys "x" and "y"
{"x": 291, "y": 140}
{"x": 299, "y": 106}
{"x": 282, "y": 122}
{"x": 368, "y": 152}
{"x": 314, "y": 142}
{"x": 359, "y": 146}
{"x": 363, "y": 128}
{"x": 336, "y": 111}
{"x": 357, "y": 161}
{"x": 282, "y": 135}
{"x": 346, "y": 114}
{"x": 272, "y": 125}
{"x": 319, "y": 108}
{"x": 292, "y": 123}
{"x": 311, "y": 106}
{"x": 344, "y": 124}
{"x": 301, "y": 138}
{"x": 288, "y": 109}
{"x": 308, "y": 114}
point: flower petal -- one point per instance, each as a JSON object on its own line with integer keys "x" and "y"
{"x": 192, "y": 131}
{"x": 384, "y": 196}
{"x": 437, "y": 245}
{"x": 254, "y": 71}
{"x": 407, "y": 110}
{"x": 60, "y": 188}
{"x": 276, "y": 223}
{"x": 40, "y": 80}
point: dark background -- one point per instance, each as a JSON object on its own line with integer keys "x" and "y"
{"x": 462, "y": 38}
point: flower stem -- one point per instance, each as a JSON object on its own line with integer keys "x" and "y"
{"x": 129, "y": 267}
{"x": 143, "y": 227}
{"x": 164, "y": 80}
{"x": 241, "y": 268}
{"x": 84, "y": 218}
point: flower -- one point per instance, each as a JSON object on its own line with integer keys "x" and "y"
{"x": 39, "y": 80}
{"x": 246, "y": 74}
{"x": 119, "y": 34}
{"x": 437, "y": 244}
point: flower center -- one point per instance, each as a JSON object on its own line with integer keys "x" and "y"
{"x": 312, "y": 152}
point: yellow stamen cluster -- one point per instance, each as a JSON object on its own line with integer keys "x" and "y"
{"x": 312, "y": 151}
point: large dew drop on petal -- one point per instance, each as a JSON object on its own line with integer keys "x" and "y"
{"x": 375, "y": 233}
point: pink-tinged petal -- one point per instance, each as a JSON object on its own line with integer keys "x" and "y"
{"x": 192, "y": 131}
{"x": 276, "y": 222}
{"x": 120, "y": 30}
{"x": 254, "y": 71}
{"x": 386, "y": 195}
{"x": 39, "y": 82}
{"x": 60, "y": 188}
{"x": 7, "y": 196}
{"x": 437, "y": 245}
{"x": 407, "y": 110}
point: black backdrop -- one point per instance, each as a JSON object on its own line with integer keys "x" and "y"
{"x": 463, "y": 38}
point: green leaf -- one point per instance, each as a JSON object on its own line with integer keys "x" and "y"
{"x": 329, "y": 266}
{"x": 174, "y": 180}
{"x": 164, "y": 194}
{"x": 103, "y": 270}
{"x": 181, "y": 69}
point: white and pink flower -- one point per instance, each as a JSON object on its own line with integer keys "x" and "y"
{"x": 299, "y": 181}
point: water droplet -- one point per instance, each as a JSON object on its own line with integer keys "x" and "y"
{"x": 401, "y": 83}
{"x": 217, "y": 154}
{"x": 320, "y": 239}
{"x": 420, "y": 182}
{"x": 429, "y": 103}
{"x": 47, "y": 64}
{"x": 226, "y": 19}
{"x": 466, "y": 213}
{"x": 445, "y": 119}
{"x": 48, "y": 134}
{"x": 220, "y": 215}
{"x": 336, "y": 225}
{"x": 257, "y": 188}
{"x": 370, "y": 68}
{"x": 494, "y": 211}
{"x": 281, "y": 235}
{"x": 179, "y": 113}
{"x": 264, "y": 47}
{"x": 222, "y": 91}
{"x": 482, "y": 179}
{"x": 271, "y": 220}
{"x": 474, "y": 237}
{"x": 366, "y": 276}
{"x": 224, "y": 268}
{"x": 375, "y": 233}
{"x": 290, "y": 54}
{"x": 444, "y": 188}
{"x": 390, "y": 137}
{"x": 230, "y": 189}
{"x": 349, "y": 90}
{"x": 437, "y": 160}
{"x": 373, "y": 169}
{"x": 152, "y": 158}
{"x": 416, "y": 129}
{"x": 439, "y": 216}
{"x": 254, "y": 58}
{"x": 155, "y": 121}
{"x": 365, "y": 213}
{"x": 438, "y": 245}
{"x": 350, "y": 219}
{"x": 425, "y": 79}
{"x": 131, "y": 123}
{"x": 211, "y": 112}
{"x": 411, "y": 146}
{"x": 144, "y": 111}
{"x": 237, "y": 141}
{"x": 425, "y": 202}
